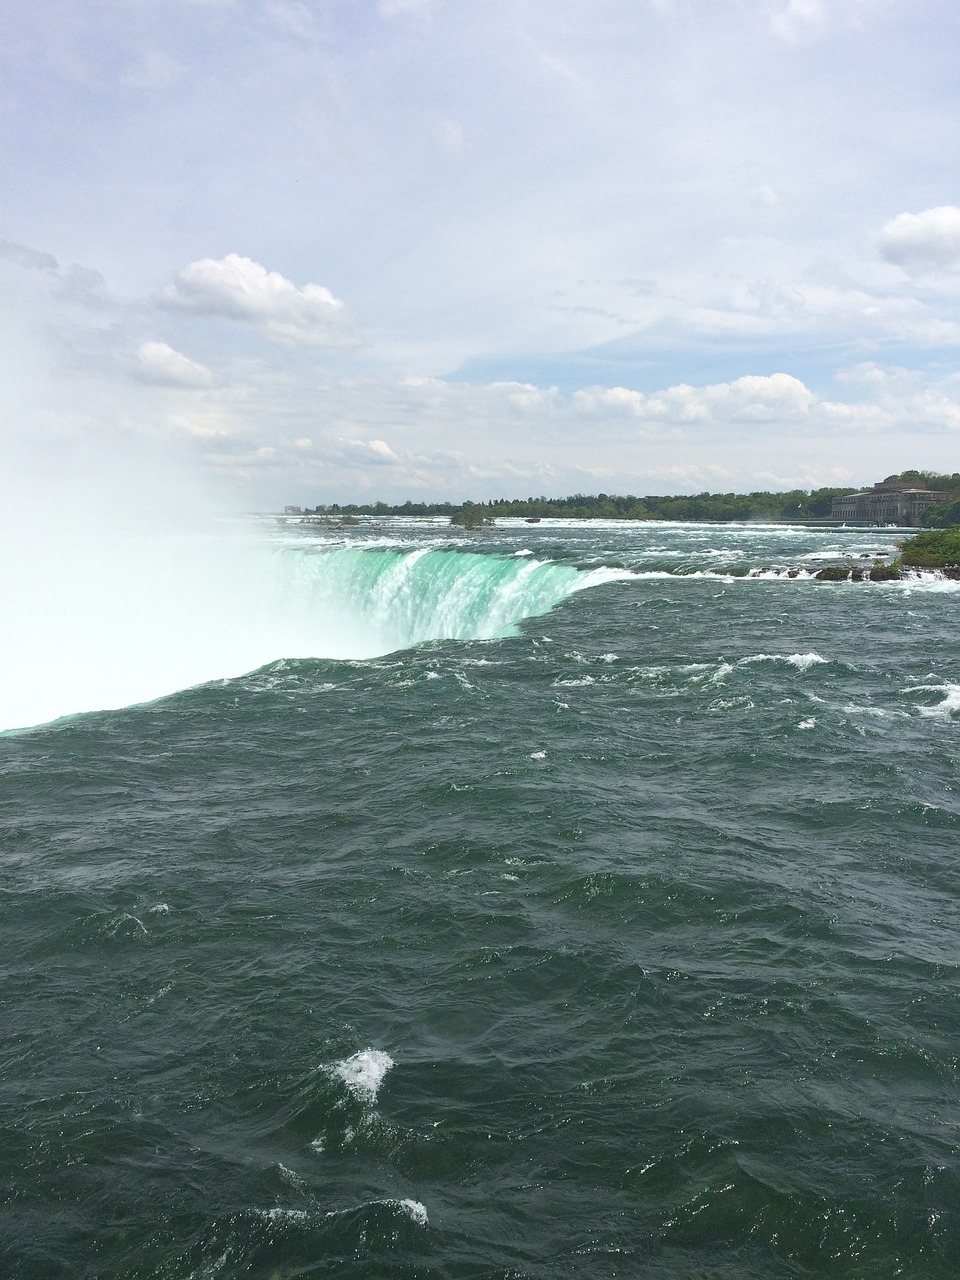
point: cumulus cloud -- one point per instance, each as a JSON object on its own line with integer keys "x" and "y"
{"x": 524, "y": 395}
{"x": 752, "y": 398}
{"x": 158, "y": 362}
{"x": 925, "y": 242}
{"x": 241, "y": 289}
{"x": 377, "y": 452}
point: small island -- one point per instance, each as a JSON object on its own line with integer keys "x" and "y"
{"x": 934, "y": 549}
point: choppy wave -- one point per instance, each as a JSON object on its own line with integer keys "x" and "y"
{"x": 364, "y": 1072}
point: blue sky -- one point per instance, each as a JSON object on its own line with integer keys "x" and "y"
{"x": 271, "y": 251}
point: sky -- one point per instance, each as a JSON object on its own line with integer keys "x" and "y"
{"x": 269, "y": 252}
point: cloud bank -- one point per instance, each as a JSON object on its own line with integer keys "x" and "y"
{"x": 159, "y": 362}
{"x": 923, "y": 243}
{"x": 238, "y": 288}
{"x": 590, "y": 243}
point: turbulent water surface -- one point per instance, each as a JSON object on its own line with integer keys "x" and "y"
{"x": 569, "y": 900}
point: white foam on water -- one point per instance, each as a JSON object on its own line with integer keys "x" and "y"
{"x": 411, "y": 1209}
{"x": 721, "y": 673}
{"x": 802, "y": 661}
{"x": 278, "y": 1214}
{"x": 950, "y": 704}
{"x": 878, "y": 713}
{"x": 808, "y": 724}
{"x": 414, "y": 1210}
{"x": 364, "y": 1072}
{"x": 778, "y": 575}
{"x": 538, "y": 755}
{"x": 731, "y": 704}
{"x": 292, "y": 1178}
{"x": 929, "y": 580}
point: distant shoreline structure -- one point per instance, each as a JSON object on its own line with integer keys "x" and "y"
{"x": 907, "y": 500}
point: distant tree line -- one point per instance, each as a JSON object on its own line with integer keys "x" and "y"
{"x": 938, "y": 549}
{"x": 798, "y": 504}
{"x": 939, "y": 515}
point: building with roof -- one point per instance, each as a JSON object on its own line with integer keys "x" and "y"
{"x": 886, "y": 504}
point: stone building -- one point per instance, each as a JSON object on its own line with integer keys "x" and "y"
{"x": 886, "y": 504}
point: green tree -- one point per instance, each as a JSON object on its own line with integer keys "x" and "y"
{"x": 934, "y": 549}
{"x": 471, "y": 516}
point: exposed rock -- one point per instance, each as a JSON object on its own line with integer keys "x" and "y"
{"x": 883, "y": 573}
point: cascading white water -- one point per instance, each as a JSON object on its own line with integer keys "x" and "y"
{"x": 98, "y": 620}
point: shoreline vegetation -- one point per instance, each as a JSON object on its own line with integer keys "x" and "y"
{"x": 936, "y": 547}
{"x": 796, "y": 505}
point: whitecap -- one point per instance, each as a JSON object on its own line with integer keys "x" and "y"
{"x": 414, "y": 1210}
{"x": 721, "y": 673}
{"x": 950, "y": 704}
{"x": 538, "y": 755}
{"x": 808, "y": 724}
{"x": 278, "y": 1214}
{"x": 363, "y": 1072}
{"x": 853, "y": 709}
{"x": 802, "y": 661}
{"x": 291, "y": 1178}
{"x": 731, "y": 704}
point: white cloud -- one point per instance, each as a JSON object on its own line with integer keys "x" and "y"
{"x": 241, "y": 289}
{"x": 799, "y": 19}
{"x": 158, "y": 362}
{"x": 524, "y": 395}
{"x": 375, "y": 451}
{"x": 925, "y": 242}
{"x": 752, "y": 398}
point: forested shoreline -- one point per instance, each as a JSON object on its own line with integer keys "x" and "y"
{"x": 796, "y": 504}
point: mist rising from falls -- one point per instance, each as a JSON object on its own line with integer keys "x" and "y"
{"x": 101, "y": 618}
